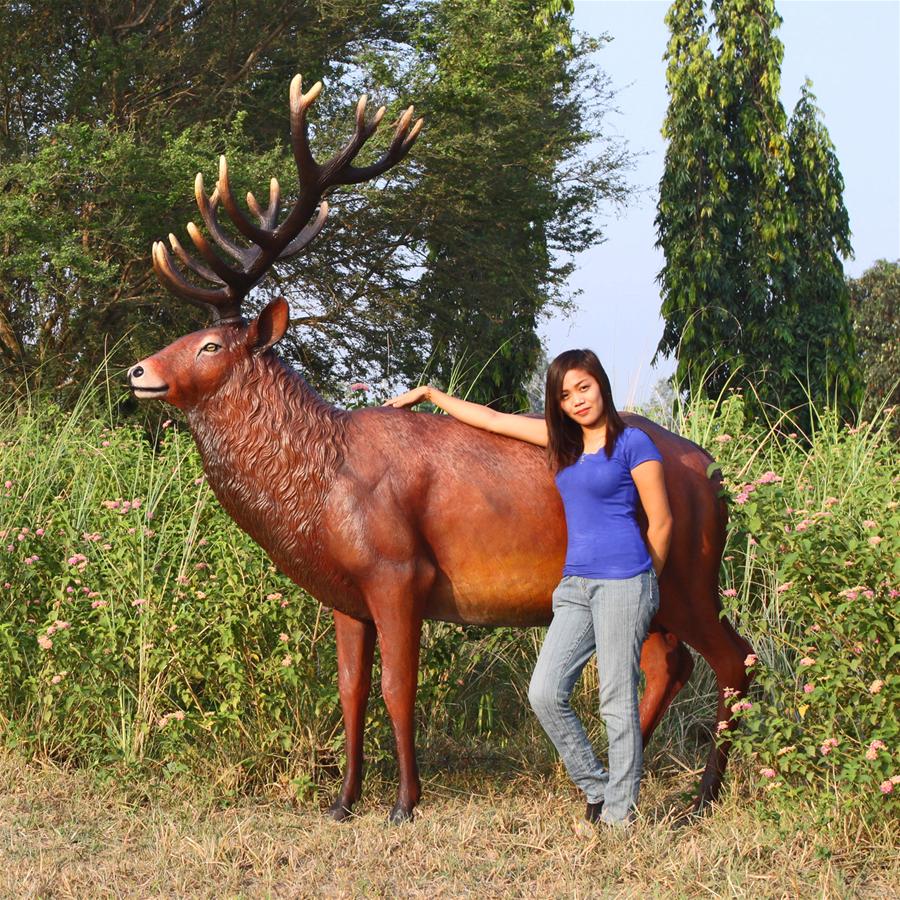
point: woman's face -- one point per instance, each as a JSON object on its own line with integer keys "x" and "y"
{"x": 581, "y": 400}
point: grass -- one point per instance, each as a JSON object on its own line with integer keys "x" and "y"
{"x": 64, "y": 835}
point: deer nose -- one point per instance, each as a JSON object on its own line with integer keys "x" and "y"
{"x": 136, "y": 372}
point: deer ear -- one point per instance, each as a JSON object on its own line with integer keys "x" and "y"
{"x": 269, "y": 328}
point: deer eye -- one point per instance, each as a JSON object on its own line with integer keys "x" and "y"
{"x": 210, "y": 347}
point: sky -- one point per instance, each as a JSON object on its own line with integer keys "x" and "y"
{"x": 850, "y": 49}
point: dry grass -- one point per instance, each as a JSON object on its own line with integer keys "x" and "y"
{"x": 63, "y": 836}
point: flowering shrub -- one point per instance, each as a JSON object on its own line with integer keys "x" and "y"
{"x": 812, "y": 573}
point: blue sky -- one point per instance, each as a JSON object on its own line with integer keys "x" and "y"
{"x": 851, "y": 51}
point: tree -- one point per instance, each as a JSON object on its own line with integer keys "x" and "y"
{"x": 875, "y": 302}
{"x": 106, "y": 113}
{"x": 750, "y": 217}
{"x": 816, "y": 359}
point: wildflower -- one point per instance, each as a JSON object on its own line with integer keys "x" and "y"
{"x": 56, "y": 679}
{"x": 140, "y": 601}
{"x": 286, "y": 661}
{"x": 44, "y": 642}
{"x": 808, "y": 688}
{"x": 7, "y": 484}
{"x": 7, "y": 585}
{"x": 723, "y": 438}
{"x": 742, "y": 498}
{"x": 767, "y": 772}
{"x": 874, "y": 541}
{"x": 360, "y": 386}
{"x": 886, "y": 786}
{"x": 70, "y": 589}
{"x": 831, "y": 501}
{"x": 784, "y": 587}
{"x": 850, "y": 593}
{"x": 273, "y": 596}
{"x": 769, "y": 478}
{"x": 857, "y": 649}
{"x": 807, "y": 661}
{"x": 874, "y": 747}
{"x": 721, "y": 726}
{"x": 729, "y": 592}
{"x": 178, "y": 715}
{"x": 182, "y": 579}
{"x": 870, "y": 523}
{"x": 99, "y": 604}
{"x": 750, "y": 660}
{"x": 111, "y": 504}
{"x": 752, "y": 541}
{"x": 61, "y": 625}
{"x": 284, "y": 603}
{"x": 202, "y": 542}
{"x": 895, "y": 779}
{"x": 741, "y": 706}
{"x": 876, "y": 686}
{"x": 868, "y": 594}
{"x": 815, "y": 627}
{"x": 730, "y": 692}
{"x": 167, "y": 423}
{"x": 136, "y": 503}
{"x": 784, "y": 750}
{"x": 828, "y": 745}
{"x": 283, "y": 638}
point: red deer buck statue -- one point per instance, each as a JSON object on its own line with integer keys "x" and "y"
{"x": 388, "y": 516}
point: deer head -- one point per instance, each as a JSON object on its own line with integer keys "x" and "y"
{"x": 194, "y": 366}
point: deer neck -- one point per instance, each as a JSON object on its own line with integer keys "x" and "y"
{"x": 271, "y": 447}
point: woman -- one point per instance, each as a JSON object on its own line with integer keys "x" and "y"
{"x": 608, "y": 593}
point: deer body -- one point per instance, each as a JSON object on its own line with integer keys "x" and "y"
{"x": 388, "y": 516}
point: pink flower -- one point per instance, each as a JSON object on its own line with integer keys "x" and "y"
{"x": 742, "y": 498}
{"x": 769, "y": 478}
{"x": 273, "y": 596}
{"x": 767, "y": 773}
{"x": 62, "y": 626}
{"x": 876, "y": 686}
{"x": 7, "y": 484}
{"x": 200, "y": 595}
{"x": 286, "y": 661}
{"x": 721, "y": 726}
{"x": 56, "y": 679}
{"x": 167, "y": 423}
{"x": 870, "y": 523}
{"x": 44, "y": 642}
{"x": 360, "y": 386}
{"x": 283, "y": 638}
{"x": 723, "y": 438}
{"x": 831, "y": 501}
{"x": 808, "y": 688}
{"x": 874, "y": 747}
{"x": 886, "y": 787}
{"x": 178, "y": 715}
{"x": 750, "y": 659}
{"x": 807, "y": 661}
{"x": 874, "y": 541}
{"x": 815, "y": 627}
{"x": 784, "y": 587}
{"x": 828, "y": 745}
{"x": 140, "y": 601}
{"x": 729, "y": 592}
{"x": 99, "y": 604}
{"x": 741, "y": 706}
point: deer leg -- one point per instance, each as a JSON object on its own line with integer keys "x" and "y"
{"x": 667, "y": 665}
{"x": 725, "y": 650}
{"x": 355, "y": 648}
{"x": 399, "y": 633}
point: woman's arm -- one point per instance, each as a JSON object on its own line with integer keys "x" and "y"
{"x": 524, "y": 428}
{"x": 651, "y": 487}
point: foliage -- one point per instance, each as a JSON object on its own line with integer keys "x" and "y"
{"x": 107, "y": 114}
{"x": 141, "y": 631}
{"x": 811, "y": 576}
{"x": 875, "y": 300}
{"x": 750, "y": 217}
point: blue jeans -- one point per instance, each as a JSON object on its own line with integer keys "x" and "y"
{"x": 611, "y": 617}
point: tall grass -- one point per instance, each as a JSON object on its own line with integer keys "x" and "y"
{"x": 141, "y": 631}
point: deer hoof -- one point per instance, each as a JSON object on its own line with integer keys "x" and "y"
{"x": 400, "y": 814}
{"x": 339, "y": 811}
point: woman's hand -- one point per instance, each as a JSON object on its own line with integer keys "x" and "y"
{"x": 410, "y": 398}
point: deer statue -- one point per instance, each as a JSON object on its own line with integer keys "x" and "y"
{"x": 388, "y": 516}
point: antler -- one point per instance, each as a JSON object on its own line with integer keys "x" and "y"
{"x": 270, "y": 243}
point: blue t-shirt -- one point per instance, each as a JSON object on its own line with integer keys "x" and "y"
{"x": 600, "y": 501}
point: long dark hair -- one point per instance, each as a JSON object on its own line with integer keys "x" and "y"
{"x": 566, "y": 442}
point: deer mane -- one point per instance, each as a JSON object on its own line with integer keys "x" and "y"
{"x": 271, "y": 447}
